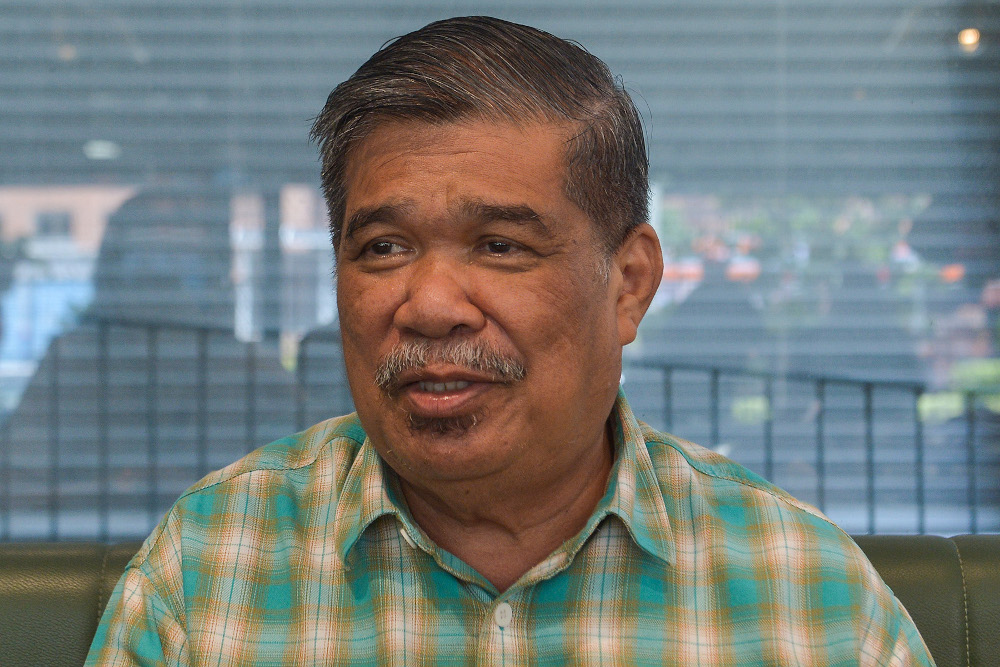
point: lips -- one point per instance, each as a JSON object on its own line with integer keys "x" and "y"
{"x": 443, "y": 394}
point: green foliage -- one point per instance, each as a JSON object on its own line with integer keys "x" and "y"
{"x": 675, "y": 234}
{"x": 976, "y": 375}
{"x": 940, "y": 406}
{"x": 807, "y": 245}
{"x": 978, "y": 378}
{"x": 837, "y": 228}
{"x": 751, "y": 410}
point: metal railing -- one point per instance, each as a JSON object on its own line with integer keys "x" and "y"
{"x": 121, "y": 416}
{"x": 860, "y": 449}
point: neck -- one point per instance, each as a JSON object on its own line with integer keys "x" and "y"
{"x": 503, "y": 526}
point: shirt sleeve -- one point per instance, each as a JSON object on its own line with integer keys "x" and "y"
{"x": 891, "y": 639}
{"x": 138, "y": 628}
{"x": 910, "y": 649}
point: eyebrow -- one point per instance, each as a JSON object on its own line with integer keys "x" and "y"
{"x": 477, "y": 210}
{"x": 516, "y": 213}
{"x": 371, "y": 214}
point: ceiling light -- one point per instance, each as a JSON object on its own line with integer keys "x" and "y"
{"x": 968, "y": 39}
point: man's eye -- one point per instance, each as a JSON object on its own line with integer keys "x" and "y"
{"x": 499, "y": 247}
{"x": 383, "y": 248}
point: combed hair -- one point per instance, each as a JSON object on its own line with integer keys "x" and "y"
{"x": 480, "y": 67}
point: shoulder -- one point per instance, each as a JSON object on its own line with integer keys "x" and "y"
{"x": 715, "y": 502}
{"x": 731, "y": 522}
{"x": 715, "y": 480}
{"x": 268, "y": 491}
{"x": 332, "y": 442}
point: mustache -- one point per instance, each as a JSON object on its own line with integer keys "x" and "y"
{"x": 474, "y": 355}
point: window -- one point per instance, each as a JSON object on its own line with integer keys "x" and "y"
{"x": 825, "y": 189}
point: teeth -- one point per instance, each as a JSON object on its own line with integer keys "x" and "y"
{"x": 439, "y": 387}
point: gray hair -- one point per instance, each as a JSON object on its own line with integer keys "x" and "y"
{"x": 483, "y": 67}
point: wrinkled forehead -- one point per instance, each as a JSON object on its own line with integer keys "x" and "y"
{"x": 403, "y": 135}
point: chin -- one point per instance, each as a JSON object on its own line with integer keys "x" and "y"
{"x": 456, "y": 426}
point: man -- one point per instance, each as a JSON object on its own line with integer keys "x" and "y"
{"x": 493, "y": 501}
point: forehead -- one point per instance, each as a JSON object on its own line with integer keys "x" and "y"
{"x": 480, "y": 158}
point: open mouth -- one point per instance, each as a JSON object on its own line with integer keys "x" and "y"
{"x": 442, "y": 387}
{"x": 443, "y": 396}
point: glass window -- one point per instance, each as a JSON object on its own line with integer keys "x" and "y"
{"x": 825, "y": 188}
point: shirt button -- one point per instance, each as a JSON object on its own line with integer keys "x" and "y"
{"x": 503, "y": 614}
{"x": 407, "y": 538}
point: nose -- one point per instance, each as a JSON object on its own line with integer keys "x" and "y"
{"x": 438, "y": 301}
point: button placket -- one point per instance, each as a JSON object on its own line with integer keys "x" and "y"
{"x": 501, "y": 633}
{"x": 503, "y": 615}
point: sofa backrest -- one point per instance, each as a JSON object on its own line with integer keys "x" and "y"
{"x": 52, "y": 595}
{"x": 950, "y": 587}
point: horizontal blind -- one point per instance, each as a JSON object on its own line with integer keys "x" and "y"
{"x": 773, "y": 120}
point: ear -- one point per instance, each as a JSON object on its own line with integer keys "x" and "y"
{"x": 640, "y": 263}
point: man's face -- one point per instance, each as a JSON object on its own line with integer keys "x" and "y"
{"x": 458, "y": 240}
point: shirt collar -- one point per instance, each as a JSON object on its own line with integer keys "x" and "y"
{"x": 633, "y": 493}
{"x": 363, "y": 498}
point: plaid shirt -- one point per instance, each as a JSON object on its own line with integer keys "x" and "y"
{"x": 303, "y": 553}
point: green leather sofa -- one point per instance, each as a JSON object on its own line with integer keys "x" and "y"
{"x": 51, "y": 595}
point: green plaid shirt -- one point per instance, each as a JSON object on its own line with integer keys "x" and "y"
{"x": 303, "y": 553}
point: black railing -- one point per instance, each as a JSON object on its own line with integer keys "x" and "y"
{"x": 866, "y": 438}
{"x": 121, "y": 416}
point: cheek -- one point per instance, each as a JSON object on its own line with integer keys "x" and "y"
{"x": 564, "y": 323}
{"x": 365, "y": 305}
{"x": 364, "y": 314}
{"x": 582, "y": 305}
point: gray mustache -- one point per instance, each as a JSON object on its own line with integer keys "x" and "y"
{"x": 473, "y": 355}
